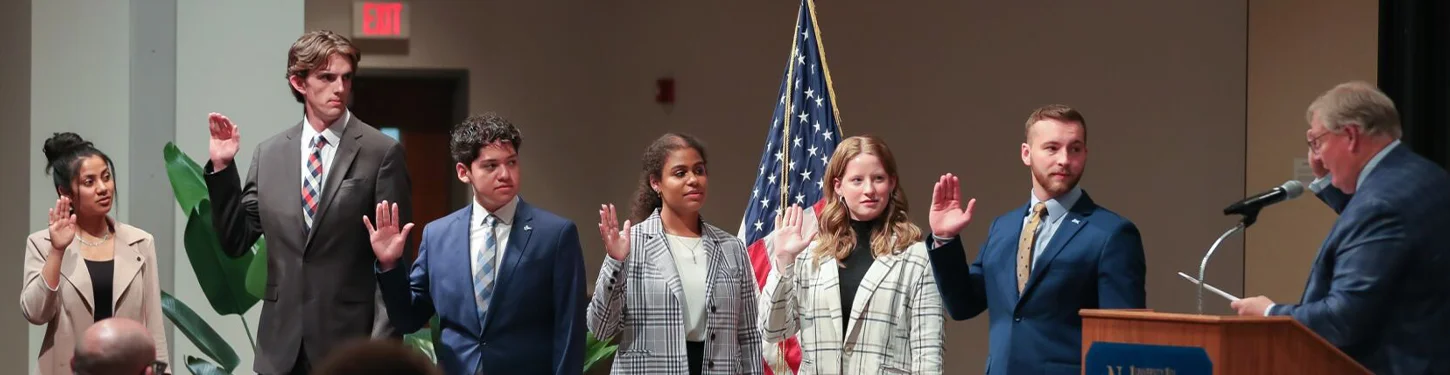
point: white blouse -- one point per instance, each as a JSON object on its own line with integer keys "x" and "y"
{"x": 692, "y": 264}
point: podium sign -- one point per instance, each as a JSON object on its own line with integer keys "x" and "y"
{"x": 1113, "y": 358}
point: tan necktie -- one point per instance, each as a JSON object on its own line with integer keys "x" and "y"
{"x": 1027, "y": 243}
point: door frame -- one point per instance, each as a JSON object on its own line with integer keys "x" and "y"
{"x": 460, "y": 194}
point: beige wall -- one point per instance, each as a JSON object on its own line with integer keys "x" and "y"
{"x": 15, "y": 161}
{"x": 1165, "y": 86}
{"x": 947, "y": 83}
{"x": 1297, "y": 50}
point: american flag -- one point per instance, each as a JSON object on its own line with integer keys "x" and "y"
{"x": 804, "y": 131}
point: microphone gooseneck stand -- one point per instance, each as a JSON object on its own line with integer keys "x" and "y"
{"x": 1250, "y": 215}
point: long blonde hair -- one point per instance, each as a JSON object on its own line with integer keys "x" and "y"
{"x": 890, "y": 232}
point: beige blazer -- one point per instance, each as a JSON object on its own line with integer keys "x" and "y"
{"x": 66, "y": 311}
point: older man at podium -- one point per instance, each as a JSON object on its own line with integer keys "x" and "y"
{"x": 1380, "y": 287}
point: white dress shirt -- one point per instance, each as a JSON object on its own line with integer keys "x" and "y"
{"x": 333, "y": 134}
{"x": 692, "y": 264}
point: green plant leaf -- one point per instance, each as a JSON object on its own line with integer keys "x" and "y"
{"x": 423, "y": 341}
{"x": 435, "y": 329}
{"x": 199, "y": 332}
{"x": 257, "y": 269}
{"x": 200, "y": 366}
{"x": 222, "y": 278}
{"x": 596, "y": 350}
{"x": 186, "y": 178}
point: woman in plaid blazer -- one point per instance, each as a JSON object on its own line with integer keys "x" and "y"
{"x": 869, "y": 257}
{"x": 680, "y": 292}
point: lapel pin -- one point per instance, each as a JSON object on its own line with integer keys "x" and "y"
{"x": 532, "y": 228}
{"x": 1074, "y": 221}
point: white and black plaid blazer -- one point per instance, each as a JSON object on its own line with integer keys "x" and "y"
{"x": 895, "y": 323}
{"x": 640, "y": 300}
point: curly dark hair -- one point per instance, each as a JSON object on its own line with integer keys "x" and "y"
{"x": 63, "y": 155}
{"x": 646, "y": 199}
{"x": 469, "y": 136}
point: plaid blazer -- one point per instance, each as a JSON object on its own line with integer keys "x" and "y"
{"x": 640, "y": 300}
{"x": 895, "y": 325}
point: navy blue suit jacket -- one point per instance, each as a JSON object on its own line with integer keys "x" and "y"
{"x": 535, "y": 321}
{"x": 1093, "y": 261}
{"x": 1380, "y": 287}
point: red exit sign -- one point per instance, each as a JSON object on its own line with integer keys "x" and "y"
{"x": 379, "y": 20}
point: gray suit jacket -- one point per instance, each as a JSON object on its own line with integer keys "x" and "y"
{"x": 320, "y": 287}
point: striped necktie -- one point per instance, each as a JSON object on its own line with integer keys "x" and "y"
{"x": 483, "y": 276}
{"x": 312, "y": 185}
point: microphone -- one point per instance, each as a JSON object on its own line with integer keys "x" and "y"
{"x": 1249, "y": 207}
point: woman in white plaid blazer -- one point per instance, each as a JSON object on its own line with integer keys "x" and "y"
{"x": 867, "y": 256}
{"x": 679, "y": 292}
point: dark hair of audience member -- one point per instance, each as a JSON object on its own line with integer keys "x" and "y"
{"x": 366, "y": 357}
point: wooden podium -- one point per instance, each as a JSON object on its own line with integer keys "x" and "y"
{"x": 1238, "y": 345}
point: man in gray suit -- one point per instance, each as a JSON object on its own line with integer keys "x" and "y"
{"x": 307, "y": 189}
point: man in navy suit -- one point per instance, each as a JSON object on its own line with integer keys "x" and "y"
{"x": 1042, "y": 261}
{"x": 505, "y": 278}
{"x": 1380, "y": 287}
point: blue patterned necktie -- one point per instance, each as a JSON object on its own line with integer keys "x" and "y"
{"x": 484, "y": 275}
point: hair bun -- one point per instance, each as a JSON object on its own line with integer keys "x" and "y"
{"x": 62, "y": 144}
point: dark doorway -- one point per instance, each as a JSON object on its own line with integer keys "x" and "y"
{"x": 418, "y": 106}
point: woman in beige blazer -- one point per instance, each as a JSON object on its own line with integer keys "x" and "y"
{"x": 863, "y": 300}
{"x": 86, "y": 266}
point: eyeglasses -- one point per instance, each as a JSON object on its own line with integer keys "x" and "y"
{"x": 1314, "y": 142}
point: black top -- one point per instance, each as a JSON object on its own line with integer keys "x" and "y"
{"x": 101, "y": 280}
{"x": 854, "y": 269}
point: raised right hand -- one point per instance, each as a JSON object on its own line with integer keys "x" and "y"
{"x": 616, "y": 240}
{"x": 1317, "y": 165}
{"x": 790, "y": 238}
{"x": 62, "y": 224}
{"x": 387, "y": 240}
{"x": 225, "y": 140}
{"x": 947, "y": 216}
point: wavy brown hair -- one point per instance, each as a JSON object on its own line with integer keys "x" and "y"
{"x": 890, "y": 232}
{"x": 312, "y": 50}
{"x": 652, "y": 169}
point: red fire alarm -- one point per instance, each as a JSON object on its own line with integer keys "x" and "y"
{"x": 665, "y": 91}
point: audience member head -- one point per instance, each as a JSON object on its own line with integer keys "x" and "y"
{"x": 115, "y": 346}
{"x": 366, "y": 357}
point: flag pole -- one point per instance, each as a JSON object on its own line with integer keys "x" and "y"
{"x": 825, "y": 69}
{"x": 785, "y": 158}
{"x": 785, "y": 120}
